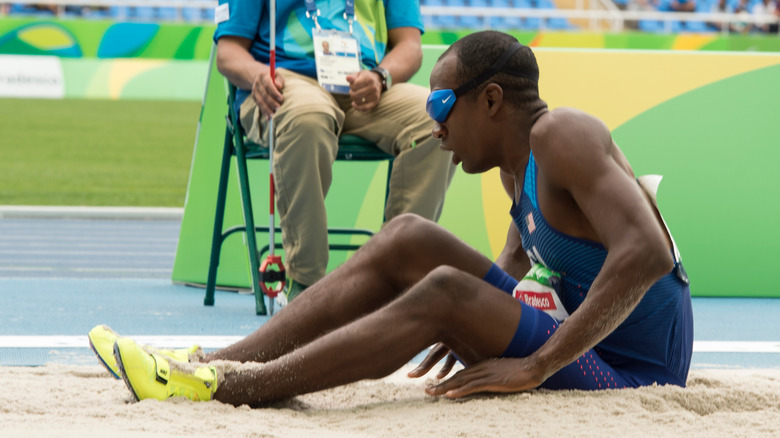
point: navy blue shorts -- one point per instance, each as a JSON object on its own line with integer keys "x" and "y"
{"x": 588, "y": 372}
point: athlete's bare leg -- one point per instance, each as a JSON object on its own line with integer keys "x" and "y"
{"x": 474, "y": 319}
{"x": 400, "y": 255}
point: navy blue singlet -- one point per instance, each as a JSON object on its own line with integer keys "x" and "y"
{"x": 654, "y": 344}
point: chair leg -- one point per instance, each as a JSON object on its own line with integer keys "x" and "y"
{"x": 249, "y": 223}
{"x": 387, "y": 189}
{"x": 219, "y": 218}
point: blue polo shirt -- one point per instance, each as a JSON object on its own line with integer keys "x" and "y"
{"x": 294, "y": 46}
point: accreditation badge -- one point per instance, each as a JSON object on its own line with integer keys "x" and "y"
{"x": 336, "y": 54}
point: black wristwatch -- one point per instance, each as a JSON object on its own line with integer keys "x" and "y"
{"x": 384, "y": 76}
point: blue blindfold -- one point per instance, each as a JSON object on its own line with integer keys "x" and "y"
{"x": 440, "y": 102}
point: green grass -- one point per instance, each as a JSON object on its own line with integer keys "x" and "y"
{"x": 95, "y": 152}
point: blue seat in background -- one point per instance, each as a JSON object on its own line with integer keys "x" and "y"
{"x": 556, "y": 23}
{"x": 439, "y": 21}
{"x": 119, "y": 12}
{"x": 702, "y": 6}
{"x": 167, "y": 14}
{"x": 505, "y": 23}
{"x": 656, "y": 26}
{"x": 465, "y": 21}
{"x": 20, "y": 9}
{"x": 96, "y": 13}
{"x": 528, "y": 22}
{"x": 145, "y": 13}
{"x": 16, "y": 8}
{"x": 478, "y": 21}
{"x": 651, "y": 26}
{"x": 668, "y": 26}
{"x": 74, "y": 11}
{"x": 695, "y": 26}
{"x": 191, "y": 14}
{"x": 207, "y": 14}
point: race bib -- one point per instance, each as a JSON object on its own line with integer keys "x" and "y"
{"x": 539, "y": 289}
{"x": 337, "y": 54}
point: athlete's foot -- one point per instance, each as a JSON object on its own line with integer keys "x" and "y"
{"x": 151, "y": 375}
{"x": 102, "y": 340}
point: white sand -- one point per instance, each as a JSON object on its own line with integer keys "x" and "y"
{"x": 83, "y": 401}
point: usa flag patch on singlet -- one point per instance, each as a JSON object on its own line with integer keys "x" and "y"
{"x": 539, "y": 289}
{"x": 529, "y": 220}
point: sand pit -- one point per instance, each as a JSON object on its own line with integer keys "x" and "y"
{"x": 83, "y": 401}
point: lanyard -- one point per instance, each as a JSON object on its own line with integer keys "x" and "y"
{"x": 313, "y": 12}
{"x": 349, "y": 13}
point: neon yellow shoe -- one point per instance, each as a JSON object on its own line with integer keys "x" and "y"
{"x": 102, "y": 340}
{"x": 151, "y": 375}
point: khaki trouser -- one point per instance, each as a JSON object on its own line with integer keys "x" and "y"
{"x": 307, "y": 128}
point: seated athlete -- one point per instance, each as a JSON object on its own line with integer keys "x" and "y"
{"x": 577, "y": 209}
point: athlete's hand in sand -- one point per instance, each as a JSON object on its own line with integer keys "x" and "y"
{"x": 436, "y": 354}
{"x": 492, "y": 375}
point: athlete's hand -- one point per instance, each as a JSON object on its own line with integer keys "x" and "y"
{"x": 436, "y": 354}
{"x": 267, "y": 93}
{"x": 492, "y": 375}
{"x": 365, "y": 89}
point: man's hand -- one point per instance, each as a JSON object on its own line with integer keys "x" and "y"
{"x": 365, "y": 89}
{"x": 267, "y": 93}
{"x": 236, "y": 63}
{"x": 492, "y": 375}
{"x": 436, "y": 354}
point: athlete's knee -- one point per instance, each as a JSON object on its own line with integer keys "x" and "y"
{"x": 442, "y": 281}
{"x": 409, "y": 228}
{"x": 405, "y": 238}
{"x": 442, "y": 292}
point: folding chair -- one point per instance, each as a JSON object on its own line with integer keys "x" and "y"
{"x": 350, "y": 148}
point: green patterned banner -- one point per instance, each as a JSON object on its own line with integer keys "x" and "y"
{"x": 109, "y": 39}
{"x": 104, "y": 39}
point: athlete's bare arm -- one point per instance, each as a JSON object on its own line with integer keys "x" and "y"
{"x": 573, "y": 152}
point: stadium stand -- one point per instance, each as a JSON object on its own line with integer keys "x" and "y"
{"x": 740, "y": 9}
{"x": 137, "y": 10}
{"x": 654, "y": 16}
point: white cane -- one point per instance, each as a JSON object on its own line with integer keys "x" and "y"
{"x": 277, "y": 277}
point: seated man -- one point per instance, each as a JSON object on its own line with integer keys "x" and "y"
{"x": 378, "y": 106}
{"x": 576, "y": 208}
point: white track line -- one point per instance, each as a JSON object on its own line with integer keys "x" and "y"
{"x": 138, "y": 213}
{"x": 78, "y": 269}
{"x": 83, "y": 342}
{"x": 736, "y": 347}
{"x": 175, "y": 341}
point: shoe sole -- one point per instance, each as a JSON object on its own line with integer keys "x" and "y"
{"x": 121, "y": 366}
{"x": 102, "y": 362}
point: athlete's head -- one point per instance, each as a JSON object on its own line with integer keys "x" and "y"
{"x": 476, "y": 79}
{"x": 483, "y": 58}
